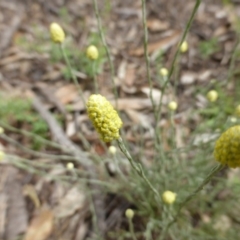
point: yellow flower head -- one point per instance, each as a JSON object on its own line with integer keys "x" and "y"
{"x": 57, "y": 33}
{"x": 227, "y": 147}
{"x": 212, "y": 96}
{"x": 104, "y": 118}
{"x": 169, "y": 197}
{"x": 184, "y": 47}
{"x": 163, "y": 72}
{"x": 129, "y": 213}
{"x": 92, "y": 52}
{"x": 172, "y": 105}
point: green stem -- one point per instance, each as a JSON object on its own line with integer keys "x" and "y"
{"x": 104, "y": 42}
{"x": 71, "y": 72}
{"x": 144, "y": 19}
{"x": 131, "y": 228}
{"x": 94, "y": 77}
{"x": 232, "y": 62}
{"x": 189, "y": 23}
{"x": 137, "y": 167}
{"x": 215, "y": 170}
{"x": 159, "y": 107}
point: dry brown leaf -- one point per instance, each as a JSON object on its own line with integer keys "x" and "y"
{"x": 72, "y": 201}
{"x": 130, "y": 76}
{"x": 41, "y": 226}
{"x": 163, "y": 44}
{"x": 156, "y": 25}
{"x": 188, "y": 78}
{"x": 30, "y": 191}
{"x": 139, "y": 118}
{"x": 133, "y": 103}
{"x": 66, "y": 94}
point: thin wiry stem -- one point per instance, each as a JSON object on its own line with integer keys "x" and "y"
{"x": 95, "y": 77}
{"x": 144, "y": 19}
{"x": 189, "y": 23}
{"x": 104, "y": 42}
{"x": 215, "y": 170}
{"x": 137, "y": 168}
{"x": 73, "y": 76}
{"x": 233, "y": 59}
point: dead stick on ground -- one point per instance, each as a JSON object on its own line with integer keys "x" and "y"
{"x": 62, "y": 139}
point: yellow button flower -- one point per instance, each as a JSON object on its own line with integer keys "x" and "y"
{"x": 129, "y": 213}
{"x": 172, "y": 105}
{"x": 184, "y": 47}
{"x": 169, "y": 197}
{"x": 212, "y": 96}
{"x": 163, "y": 72}
{"x": 92, "y": 52}
{"x": 227, "y": 147}
{"x": 104, "y": 118}
{"x": 57, "y": 33}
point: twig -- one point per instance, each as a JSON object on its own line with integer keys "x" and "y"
{"x": 61, "y": 138}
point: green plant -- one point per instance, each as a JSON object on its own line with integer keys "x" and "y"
{"x": 207, "y": 48}
{"x": 19, "y": 109}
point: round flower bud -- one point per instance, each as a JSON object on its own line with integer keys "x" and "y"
{"x": 92, "y": 52}
{"x": 57, "y": 33}
{"x": 212, "y": 96}
{"x": 163, "y": 72}
{"x": 104, "y": 118}
{"x": 184, "y": 47}
{"x": 129, "y": 213}
{"x": 112, "y": 150}
{"x": 1, "y": 130}
{"x": 172, "y": 106}
{"x": 169, "y": 197}
{"x": 233, "y": 119}
{"x": 227, "y": 147}
{"x": 70, "y": 166}
{"x": 2, "y": 155}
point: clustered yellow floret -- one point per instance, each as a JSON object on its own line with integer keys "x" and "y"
{"x": 104, "y": 118}
{"x": 227, "y": 147}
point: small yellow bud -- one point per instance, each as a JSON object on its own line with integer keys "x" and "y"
{"x": 227, "y": 147}
{"x": 129, "y": 213}
{"x": 104, "y": 118}
{"x": 212, "y": 96}
{"x": 92, "y": 52}
{"x": 233, "y": 119}
{"x": 184, "y": 47}
{"x": 70, "y": 166}
{"x": 2, "y": 155}
{"x": 172, "y": 106}
{"x": 1, "y": 130}
{"x": 237, "y": 111}
{"x": 112, "y": 150}
{"x": 169, "y": 197}
{"x": 163, "y": 72}
{"x": 57, "y": 33}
